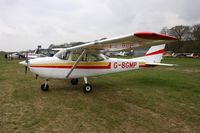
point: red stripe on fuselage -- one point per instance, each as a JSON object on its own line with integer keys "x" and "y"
{"x": 77, "y": 67}
{"x": 156, "y": 52}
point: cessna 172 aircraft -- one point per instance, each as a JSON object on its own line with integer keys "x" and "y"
{"x": 87, "y": 60}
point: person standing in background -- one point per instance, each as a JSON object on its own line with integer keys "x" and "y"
{"x": 6, "y": 57}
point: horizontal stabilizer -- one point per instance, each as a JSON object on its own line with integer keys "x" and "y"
{"x": 160, "y": 64}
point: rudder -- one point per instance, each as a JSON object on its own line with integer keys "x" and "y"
{"x": 154, "y": 54}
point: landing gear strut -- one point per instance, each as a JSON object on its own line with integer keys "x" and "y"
{"x": 74, "y": 81}
{"x": 45, "y": 86}
{"x": 87, "y": 87}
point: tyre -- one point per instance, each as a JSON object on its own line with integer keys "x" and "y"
{"x": 44, "y": 88}
{"x": 87, "y": 88}
{"x": 74, "y": 81}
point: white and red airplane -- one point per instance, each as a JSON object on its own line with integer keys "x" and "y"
{"x": 87, "y": 59}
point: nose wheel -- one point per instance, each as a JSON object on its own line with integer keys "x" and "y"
{"x": 87, "y": 87}
{"x": 45, "y": 86}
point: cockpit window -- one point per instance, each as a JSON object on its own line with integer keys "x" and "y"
{"x": 90, "y": 57}
{"x": 93, "y": 57}
{"x": 87, "y": 57}
{"x": 75, "y": 56}
{"x": 63, "y": 55}
{"x": 66, "y": 56}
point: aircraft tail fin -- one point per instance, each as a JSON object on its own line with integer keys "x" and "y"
{"x": 154, "y": 54}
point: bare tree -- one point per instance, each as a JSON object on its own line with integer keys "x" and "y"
{"x": 164, "y": 30}
{"x": 196, "y": 32}
{"x": 182, "y": 33}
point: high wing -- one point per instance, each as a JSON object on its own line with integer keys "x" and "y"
{"x": 129, "y": 41}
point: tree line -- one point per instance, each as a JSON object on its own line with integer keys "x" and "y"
{"x": 188, "y": 38}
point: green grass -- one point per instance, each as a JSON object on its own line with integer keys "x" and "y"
{"x": 160, "y": 99}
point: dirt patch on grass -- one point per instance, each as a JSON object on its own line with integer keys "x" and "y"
{"x": 191, "y": 70}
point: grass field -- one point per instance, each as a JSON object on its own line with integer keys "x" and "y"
{"x": 162, "y": 99}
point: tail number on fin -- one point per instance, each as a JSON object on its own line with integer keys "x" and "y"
{"x": 124, "y": 65}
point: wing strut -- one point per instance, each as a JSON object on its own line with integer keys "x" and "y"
{"x": 76, "y": 63}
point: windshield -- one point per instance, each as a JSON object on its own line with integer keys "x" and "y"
{"x": 63, "y": 54}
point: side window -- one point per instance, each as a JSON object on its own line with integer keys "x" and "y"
{"x": 66, "y": 55}
{"x": 75, "y": 56}
{"x": 91, "y": 57}
{"x": 94, "y": 57}
{"x": 87, "y": 57}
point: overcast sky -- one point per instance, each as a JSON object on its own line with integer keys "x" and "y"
{"x": 24, "y": 24}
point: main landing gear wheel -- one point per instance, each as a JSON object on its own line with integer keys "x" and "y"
{"x": 74, "y": 81}
{"x": 44, "y": 87}
{"x": 87, "y": 88}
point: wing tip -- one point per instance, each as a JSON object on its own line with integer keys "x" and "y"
{"x": 155, "y": 36}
